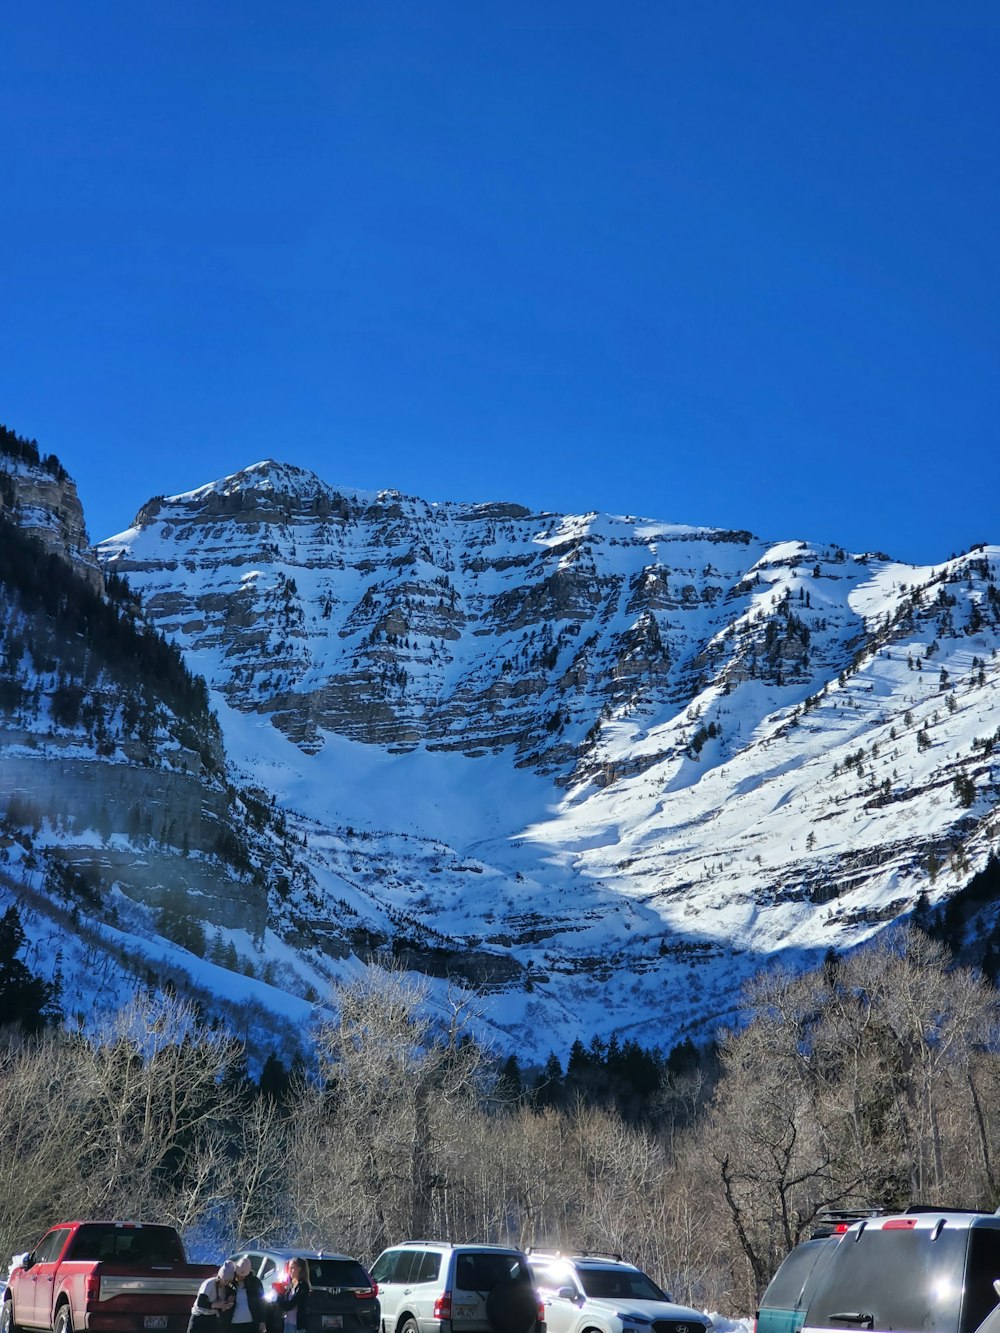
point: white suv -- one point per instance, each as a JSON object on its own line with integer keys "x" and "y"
{"x": 584, "y": 1292}
{"x": 427, "y": 1286}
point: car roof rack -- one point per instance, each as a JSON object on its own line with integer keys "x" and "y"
{"x": 458, "y": 1245}
{"x": 835, "y": 1221}
{"x": 539, "y": 1250}
{"x": 937, "y": 1208}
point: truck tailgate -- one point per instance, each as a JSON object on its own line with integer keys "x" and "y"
{"x": 121, "y": 1300}
{"x": 156, "y": 1285}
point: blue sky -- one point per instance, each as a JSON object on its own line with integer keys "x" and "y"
{"x": 727, "y": 263}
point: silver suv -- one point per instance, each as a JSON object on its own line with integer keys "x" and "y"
{"x": 434, "y": 1287}
{"x": 608, "y": 1295}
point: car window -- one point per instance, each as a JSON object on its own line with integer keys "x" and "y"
{"x": 785, "y": 1288}
{"x": 50, "y": 1246}
{"x": 337, "y": 1273}
{"x": 268, "y": 1269}
{"x": 429, "y": 1267}
{"x": 408, "y": 1261}
{"x": 984, "y": 1266}
{"x": 154, "y": 1246}
{"x": 619, "y": 1284}
{"x": 384, "y": 1268}
{"x": 482, "y": 1272}
{"x": 552, "y": 1276}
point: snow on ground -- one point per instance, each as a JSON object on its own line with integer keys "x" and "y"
{"x": 443, "y": 795}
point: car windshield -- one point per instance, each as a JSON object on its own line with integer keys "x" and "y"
{"x": 619, "y": 1284}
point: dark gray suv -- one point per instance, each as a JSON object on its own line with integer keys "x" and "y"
{"x": 930, "y": 1270}
{"x": 343, "y": 1298}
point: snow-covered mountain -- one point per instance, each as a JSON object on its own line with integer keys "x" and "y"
{"x": 626, "y": 759}
{"x": 602, "y": 768}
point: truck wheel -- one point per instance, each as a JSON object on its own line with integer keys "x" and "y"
{"x": 7, "y": 1324}
{"x": 63, "y": 1324}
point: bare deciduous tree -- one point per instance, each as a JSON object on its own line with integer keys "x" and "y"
{"x": 397, "y": 1081}
{"x": 42, "y": 1109}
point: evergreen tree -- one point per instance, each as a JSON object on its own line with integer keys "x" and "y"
{"x": 275, "y": 1081}
{"x": 24, "y": 998}
{"x": 549, "y": 1089}
{"x": 683, "y": 1059}
{"x": 510, "y": 1083}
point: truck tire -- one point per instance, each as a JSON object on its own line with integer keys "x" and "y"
{"x": 63, "y": 1322}
{"x": 7, "y": 1324}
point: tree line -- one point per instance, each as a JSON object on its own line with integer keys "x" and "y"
{"x": 870, "y": 1082}
{"x": 23, "y": 450}
{"x": 52, "y": 623}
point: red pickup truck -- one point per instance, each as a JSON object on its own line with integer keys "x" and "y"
{"x": 109, "y": 1277}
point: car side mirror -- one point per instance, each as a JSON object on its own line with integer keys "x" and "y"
{"x": 567, "y": 1293}
{"x": 26, "y": 1260}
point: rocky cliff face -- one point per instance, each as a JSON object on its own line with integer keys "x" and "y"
{"x": 472, "y": 628}
{"x": 115, "y": 806}
{"x": 601, "y": 767}
{"x": 729, "y": 749}
{"x": 39, "y": 496}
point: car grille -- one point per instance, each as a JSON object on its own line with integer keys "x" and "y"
{"x": 677, "y": 1326}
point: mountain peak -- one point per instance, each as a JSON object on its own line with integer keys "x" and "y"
{"x": 267, "y": 491}
{"x": 270, "y": 476}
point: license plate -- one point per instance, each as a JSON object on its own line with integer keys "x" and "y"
{"x": 333, "y": 1321}
{"x": 155, "y": 1321}
{"x": 466, "y": 1311}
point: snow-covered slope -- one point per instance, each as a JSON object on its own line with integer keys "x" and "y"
{"x": 603, "y": 767}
